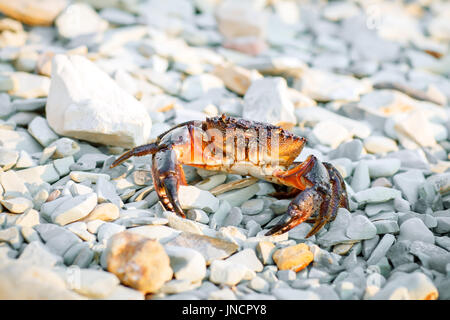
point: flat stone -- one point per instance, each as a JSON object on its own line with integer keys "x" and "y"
{"x": 194, "y": 198}
{"x": 223, "y": 272}
{"x": 187, "y": 264}
{"x": 36, "y": 283}
{"x": 124, "y": 293}
{"x": 383, "y": 167}
{"x": 12, "y": 236}
{"x": 381, "y": 249}
{"x": 236, "y": 78}
{"x": 247, "y": 257}
{"x": 380, "y": 145}
{"x": 211, "y": 182}
{"x": 39, "y": 174}
{"x": 103, "y": 211}
{"x": 8, "y": 158}
{"x": 41, "y": 131}
{"x": 80, "y": 176}
{"x": 161, "y": 233}
{"x": 237, "y": 197}
{"x": 361, "y": 228}
{"x": 27, "y": 85}
{"x": 361, "y": 177}
{"x": 211, "y": 248}
{"x": 74, "y": 209}
{"x": 17, "y": 205}
{"x": 386, "y": 226}
{"x": 138, "y": 262}
{"x": 96, "y": 283}
{"x": 19, "y": 140}
{"x": 376, "y": 195}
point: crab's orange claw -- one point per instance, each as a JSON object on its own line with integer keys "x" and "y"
{"x": 136, "y": 152}
{"x": 326, "y": 195}
{"x": 170, "y": 184}
{"x": 299, "y": 210}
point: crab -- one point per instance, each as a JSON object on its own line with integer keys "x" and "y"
{"x": 248, "y": 148}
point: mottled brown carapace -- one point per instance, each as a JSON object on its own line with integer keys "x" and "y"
{"x": 245, "y": 147}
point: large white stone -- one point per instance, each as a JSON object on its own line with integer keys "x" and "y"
{"x": 85, "y": 103}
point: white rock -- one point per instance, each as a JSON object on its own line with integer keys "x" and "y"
{"x": 361, "y": 177}
{"x": 248, "y": 258}
{"x": 325, "y": 86}
{"x": 376, "y": 195}
{"x": 267, "y": 100}
{"x": 186, "y": 263}
{"x": 413, "y": 286}
{"x": 380, "y": 144}
{"x": 96, "y": 283}
{"x": 330, "y": 133}
{"x": 85, "y": 103}
{"x": 74, "y": 209}
{"x": 313, "y": 115}
{"x": 27, "y": 85}
{"x": 41, "y": 131}
{"x": 194, "y": 198}
{"x": 39, "y": 174}
{"x": 8, "y": 158}
{"x": 17, "y": 205}
{"x": 79, "y": 19}
{"x": 64, "y": 147}
{"x": 223, "y": 272}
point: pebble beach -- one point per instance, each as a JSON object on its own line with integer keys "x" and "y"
{"x": 366, "y": 82}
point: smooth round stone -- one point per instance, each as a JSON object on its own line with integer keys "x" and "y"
{"x": 414, "y": 229}
{"x": 234, "y": 217}
{"x": 380, "y": 144}
{"x": 252, "y": 207}
{"x": 280, "y": 206}
{"x": 383, "y": 167}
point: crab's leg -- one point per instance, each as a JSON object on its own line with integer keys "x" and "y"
{"x": 323, "y": 190}
{"x": 143, "y": 150}
{"x": 167, "y": 174}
